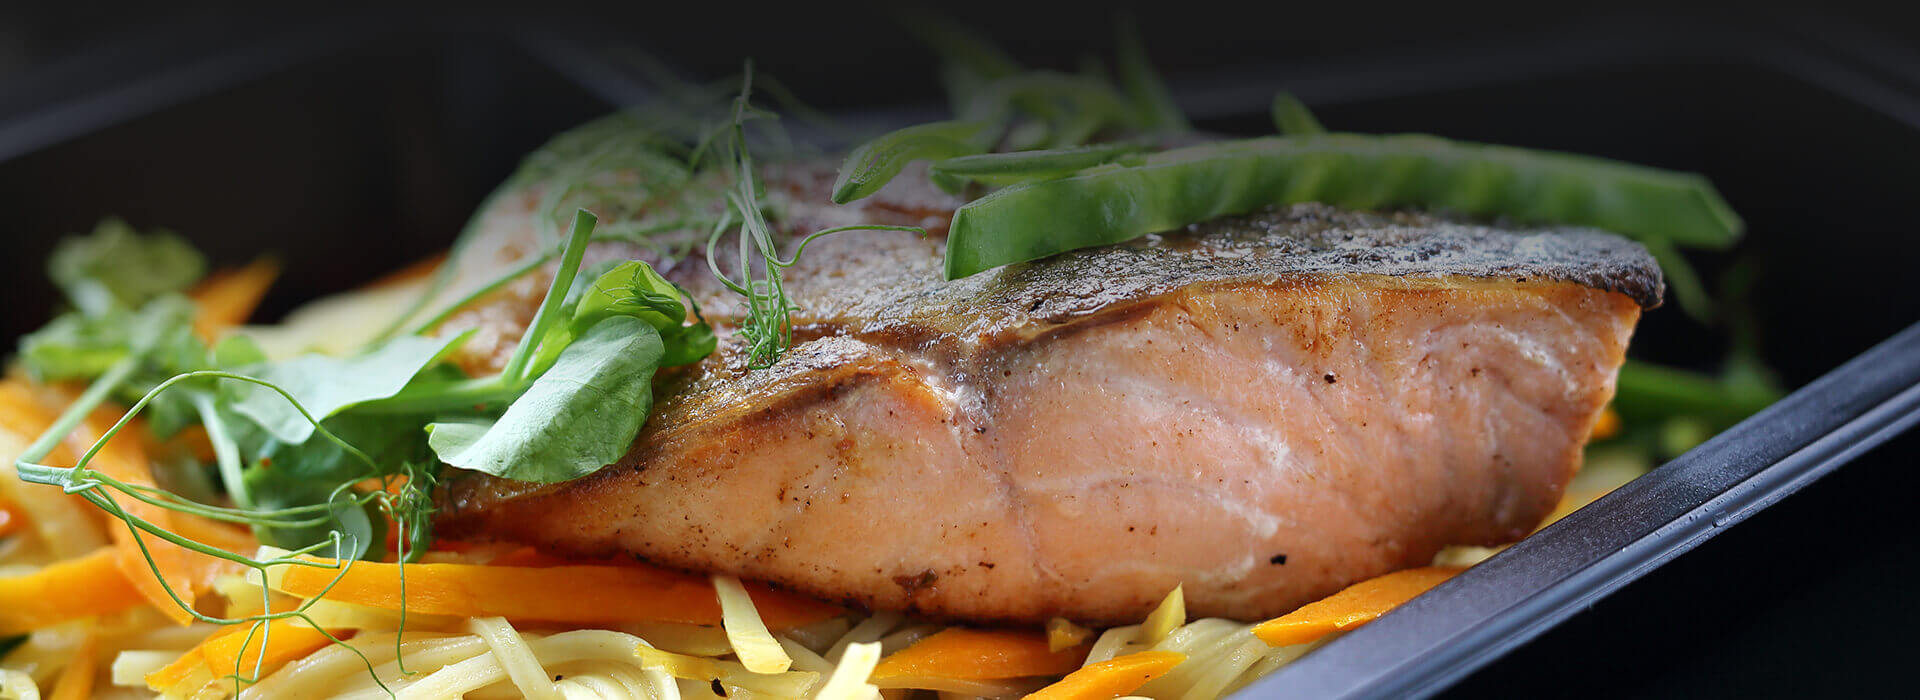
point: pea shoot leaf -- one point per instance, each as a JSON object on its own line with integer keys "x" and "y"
{"x": 327, "y": 385}
{"x": 578, "y": 416}
{"x": 116, "y": 267}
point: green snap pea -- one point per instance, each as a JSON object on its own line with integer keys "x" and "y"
{"x": 1114, "y": 203}
{"x": 1292, "y": 117}
{"x": 1001, "y": 169}
{"x": 1075, "y": 106}
{"x": 1152, "y": 101}
{"x": 874, "y": 163}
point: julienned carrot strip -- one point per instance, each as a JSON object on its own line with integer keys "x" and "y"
{"x": 227, "y": 298}
{"x": 980, "y": 655}
{"x": 593, "y": 594}
{"x": 285, "y": 640}
{"x": 12, "y": 518}
{"x": 187, "y": 572}
{"x": 121, "y": 458}
{"x": 177, "y": 672}
{"x": 1112, "y": 678}
{"x": 221, "y": 655}
{"x": 76, "y": 680}
{"x": 65, "y": 590}
{"x": 1357, "y": 605}
{"x": 66, "y": 524}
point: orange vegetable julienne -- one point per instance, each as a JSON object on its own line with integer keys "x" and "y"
{"x": 11, "y": 518}
{"x": 579, "y": 594}
{"x": 285, "y": 640}
{"x": 23, "y": 417}
{"x": 980, "y": 655}
{"x": 1606, "y": 426}
{"x": 1112, "y": 678}
{"x": 65, "y": 590}
{"x": 76, "y": 680}
{"x": 177, "y": 672}
{"x": 187, "y": 572}
{"x": 221, "y": 655}
{"x": 1357, "y": 605}
{"x": 227, "y": 298}
{"x": 27, "y": 411}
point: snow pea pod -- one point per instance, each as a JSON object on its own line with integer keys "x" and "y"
{"x": 874, "y": 163}
{"x": 1000, "y": 169}
{"x": 1292, "y": 117}
{"x": 1150, "y": 98}
{"x": 1114, "y": 203}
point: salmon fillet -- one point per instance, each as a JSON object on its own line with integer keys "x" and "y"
{"x": 1264, "y": 409}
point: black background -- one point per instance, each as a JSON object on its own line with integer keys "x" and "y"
{"x": 378, "y": 152}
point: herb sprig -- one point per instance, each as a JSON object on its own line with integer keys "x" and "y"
{"x": 298, "y": 415}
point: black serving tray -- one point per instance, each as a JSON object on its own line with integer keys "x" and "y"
{"x": 340, "y": 139}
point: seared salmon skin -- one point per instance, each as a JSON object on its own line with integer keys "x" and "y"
{"x": 1264, "y": 409}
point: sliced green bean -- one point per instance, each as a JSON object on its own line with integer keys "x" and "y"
{"x": 1075, "y": 105}
{"x": 1152, "y": 101}
{"x": 876, "y": 162}
{"x": 1167, "y": 190}
{"x": 1685, "y": 282}
{"x": 1292, "y": 117}
{"x": 1001, "y": 169}
{"x": 1648, "y": 392}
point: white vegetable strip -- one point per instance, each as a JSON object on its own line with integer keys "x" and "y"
{"x": 484, "y": 670}
{"x": 804, "y": 659}
{"x": 693, "y": 640}
{"x": 522, "y": 667}
{"x": 17, "y": 685}
{"x": 869, "y": 630}
{"x": 1114, "y": 642}
{"x": 790, "y": 684}
{"x": 130, "y": 667}
{"x": 323, "y": 674}
{"x": 748, "y": 634}
{"x": 849, "y": 680}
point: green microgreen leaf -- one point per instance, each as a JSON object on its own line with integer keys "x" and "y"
{"x": 116, "y": 267}
{"x": 1152, "y": 102}
{"x": 1292, "y": 117}
{"x": 328, "y": 385}
{"x": 580, "y": 415}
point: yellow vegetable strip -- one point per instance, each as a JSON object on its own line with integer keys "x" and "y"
{"x": 76, "y": 680}
{"x": 971, "y": 654}
{"x": 1112, "y": 678}
{"x": 65, "y": 590}
{"x": 1063, "y": 634}
{"x": 587, "y": 594}
{"x": 752, "y": 643}
{"x": 790, "y": 684}
{"x": 1357, "y": 605}
{"x": 1168, "y": 616}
